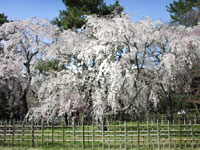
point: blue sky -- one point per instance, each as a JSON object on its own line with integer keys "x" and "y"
{"x": 48, "y": 9}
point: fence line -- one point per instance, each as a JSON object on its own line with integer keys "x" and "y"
{"x": 106, "y": 135}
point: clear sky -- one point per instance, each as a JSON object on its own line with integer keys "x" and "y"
{"x": 48, "y": 9}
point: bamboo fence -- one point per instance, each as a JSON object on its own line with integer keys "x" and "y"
{"x": 106, "y": 135}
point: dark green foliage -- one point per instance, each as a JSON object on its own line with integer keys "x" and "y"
{"x": 3, "y": 19}
{"x": 73, "y": 16}
{"x": 178, "y": 103}
{"x": 185, "y": 12}
{"x": 48, "y": 65}
{"x": 11, "y": 90}
{"x": 4, "y": 105}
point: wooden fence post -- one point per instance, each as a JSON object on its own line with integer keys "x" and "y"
{"x": 148, "y": 134}
{"x": 185, "y": 126}
{"x": 73, "y": 121}
{"x": 52, "y": 130}
{"x": 92, "y": 134}
{"x": 158, "y": 134}
{"x": 18, "y": 123}
{"x": 138, "y": 134}
{"x": 120, "y": 135}
{"x": 13, "y": 132}
{"x": 180, "y": 135}
{"x": 192, "y": 134}
{"x": 102, "y": 133}
{"x": 42, "y": 133}
{"x": 68, "y": 132}
{"x": 114, "y": 133}
{"x": 125, "y": 130}
{"x": 83, "y": 133}
{"x": 48, "y": 132}
{"x": 22, "y": 133}
{"x": 63, "y": 132}
{"x": 32, "y": 137}
{"x": 36, "y": 136}
{"x": 169, "y": 135}
{"x": 4, "y": 134}
{"x": 9, "y": 128}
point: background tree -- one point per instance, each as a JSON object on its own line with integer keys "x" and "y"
{"x": 3, "y": 18}
{"x": 24, "y": 42}
{"x": 73, "y": 16}
{"x": 185, "y": 12}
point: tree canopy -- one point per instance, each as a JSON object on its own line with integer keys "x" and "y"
{"x": 185, "y": 12}
{"x": 73, "y": 16}
{"x": 112, "y": 65}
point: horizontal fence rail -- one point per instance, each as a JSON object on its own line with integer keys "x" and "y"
{"x": 106, "y": 135}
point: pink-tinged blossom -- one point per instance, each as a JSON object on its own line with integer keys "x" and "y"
{"x": 123, "y": 66}
{"x": 113, "y": 65}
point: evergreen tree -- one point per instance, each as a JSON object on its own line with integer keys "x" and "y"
{"x": 185, "y": 12}
{"x": 3, "y": 19}
{"x": 49, "y": 65}
{"x": 73, "y": 16}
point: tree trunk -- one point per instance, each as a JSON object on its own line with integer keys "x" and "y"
{"x": 24, "y": 96}
{"x": 170, "y": 107}
{"x": 24, "y": 101}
